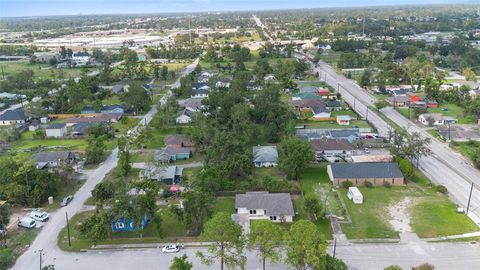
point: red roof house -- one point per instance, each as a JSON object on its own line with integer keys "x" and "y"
{"x": 323, "y": 92}
{"x": 413, "y": 97}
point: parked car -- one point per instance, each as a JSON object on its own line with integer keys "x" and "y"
{"x": 39, "y": 216}
{"x": 172, "y": 248}
{"x": 367, "y": 150}
{"x": 27, "y": 222}
{"x": 66, "y": 200}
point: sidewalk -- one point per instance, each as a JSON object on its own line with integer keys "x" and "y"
{"x": 149, "y": 245}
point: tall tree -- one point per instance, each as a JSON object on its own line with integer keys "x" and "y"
{"x": 229, "y": 242}
{"x": 164, "y": 74}
{"x": 4, "y": 216}
{"x": 137, "y": 98}
{"x": 294, "y": 156}
{"x": 95, "y": 151}
{"x": 267, "y": 237}
{"x": 124, "y": 163}
{"x": 304, "y": 246}
{"x": 197, "y": 208}
{"x": 181, "y": 263}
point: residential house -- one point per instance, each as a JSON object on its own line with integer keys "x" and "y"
{"x": 431, "y": 104}
{"x": 276, "y": 207}
{"x": 46, "y": 57}
{"x": 399, "y": 92}
{"x": 205, "y": 77}
{"x": 252, "y": 85}
{"x": 401, "y": 101}
{"x": 193, "y": 104}
{"x": 377, "y": 173}
{"x": 12, "y": 117}
{"x": 126, "y": 225}
{"x": 5, "y": 95}
{"x": 222, "y": 84}
{"x": 177, "y": 140}
{"x": 81, "y": 58}
{"x": 170, "y": 175}
{"x": 200, "y": 93}
{"x": 305, "y": 96}
{"x": 34, "y": 125}
{"x": 184, "y": 117}
{"x": 56, "y": 130}
{"x": 119, "y": 88}
{"x": 265, "y": 156}
{"x": 343, "y": 120}
{"x": 88, "y": 109}
{"x": 114, "y": 108}
{"x": 99, "y": 118}
{"x": 350, "y": 134}
{"x": 307, "y": 104}
{"x": 435, "y": 119}
{"x": 474, "y": 93}
{"x": 320, "y": 112}
{"x": 332, "y": 150}
{"x": 413, "y": 97}
{"x": 333, "y": 105}
{"x": 172, "y": 153}
{"x": 84, "y": 128}
{"x": 52, "y": 160}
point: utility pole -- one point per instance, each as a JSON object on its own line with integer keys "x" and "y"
{"x": 68, "y": 230}
{"x": 366, "y": 116}
{"x": 40, "y": 251}
{"x": 469, "y": 198}
{"x": 334, "y": 246}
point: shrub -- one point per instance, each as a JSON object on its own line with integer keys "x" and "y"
{"x": 405, "y": 167}
{"x": 441, "y": 188}
{"x": 347, "y": 184}
{"x": 368, "y": 184}
{"x": 393, "y": 267}
{"x": 387, "y": 185}
{"x": 6, "y": 258}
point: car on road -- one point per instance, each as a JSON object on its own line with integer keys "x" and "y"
{"x": 39, "y": 216}
{"x": 27, "y": 222}
{"x": 66, "y": 200}
{"x": 171, "y": 249}
{"x": 366, "y": 150}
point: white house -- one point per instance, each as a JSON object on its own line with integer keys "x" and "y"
{"x": 56, "y": 131}
{"x": 34, "y": 125}
{"x": 81, "y": 58}
{"x": 265, "y": 156}
{"x": 332, "y": 150}
{"x": 184, "y": 117}
{"x": 12, "y": 117}
{"x": 435, "y": 119}
{"x": 355, "y": 195}
{"x": 276, "y": 207}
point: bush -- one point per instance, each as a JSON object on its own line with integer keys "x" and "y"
{"x": 387, "y": 185}
{"x": 368, "y": 184}
{"x": 393, "y": 267}
{"x": 347, "y": 184}
{"x": 335, "y": 264}
{"x": 405, "y": 167}
{"x": 442, "y": 189}
{"x": 6, "y": 258}
{"x": 39, "y": 135}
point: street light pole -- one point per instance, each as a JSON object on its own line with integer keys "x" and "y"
{"x": 366, "y": 116}
{"x": 40, "y": 254}
{"x": 334, "y": 246}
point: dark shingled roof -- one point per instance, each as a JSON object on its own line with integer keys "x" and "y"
{"x": 52, "y": 156}
{"x": 56, "y": 126}
{"x": 13, "y": 115}
{"x": 366, "y": 170}
{"x": 325, "y": 144}
{"x": 276, "y": 204}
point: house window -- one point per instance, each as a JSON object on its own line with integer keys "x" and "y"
{"x": 273, "y": 218}
{"x": 120, "y": 225}
{"x": 253, "y": 212}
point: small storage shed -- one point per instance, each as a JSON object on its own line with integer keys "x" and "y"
{"x": 355, "y": 195}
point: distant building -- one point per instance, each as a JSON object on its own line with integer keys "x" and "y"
{"x": 114, "y": 108}
{"x": 177, "y": 140}
{"x": 170, "y": 175}
{"x": 320, "y": 112}
{"x": 81, "y": 58}
{"x": 343, "y": 120}
{"x": 34, "y": 125}
{"x": 88, "y": 109}
{"x": 56, "y": 131}
{"x": 172, "y": 153}
{"x": 435, "y": 119}
{"x": 332, "y": 150}
{"x": 276, "y": 207}
{"x": 54, "y": 159}
{"x": 12, "y": 117}
{"x": 45, "y": 57}
{"x": 184, "y": 117}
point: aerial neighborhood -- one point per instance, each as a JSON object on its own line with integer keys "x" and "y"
{"x": 343, "y": 138}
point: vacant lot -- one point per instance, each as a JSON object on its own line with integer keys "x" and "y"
{"x": 372, "y": 219}
{"x": 40, "y": 70}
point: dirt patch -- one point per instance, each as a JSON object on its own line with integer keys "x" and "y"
{"x": 400, "y": 216}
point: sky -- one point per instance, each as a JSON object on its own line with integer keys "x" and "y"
{"x": 16, "y": 8}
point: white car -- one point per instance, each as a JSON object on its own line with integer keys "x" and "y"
{"x": 27, "y": 222}
{"x": 39, "y": 216}
{"x": 366, "y": 150}
{"x": 171, "y": 249}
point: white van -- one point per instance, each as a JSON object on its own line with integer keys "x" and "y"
{"x": 27, "y": 222}
{"x": 39, "y": 215}
{"x": 355, "y": 195}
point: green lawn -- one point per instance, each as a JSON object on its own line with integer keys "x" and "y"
{"x": 28, "y": 144}
{"x": 441, "y": 213}
{"x": 156, "y": 139}
{"x": 453, "y": 111}
{"x": 224, "y": 204}
{"x": 142, "y": 156}
{"x": 273, "y": 172}
{"x": 40, "y": 70}
{"x": 125, "y": 124}
{"x": 468, "y": 148}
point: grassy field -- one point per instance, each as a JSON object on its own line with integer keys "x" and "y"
{"x": 125, "y": 124}
{"x": 468, "y": 148}
{"x": 455, "y": 111}
{"x": 156, "y": 139}
{"x": 40, "y": 70}
{"x": 17, "y": 242}
{"x": 441, "y": 212}
{"x": 142, "y": 156}
{"x": 70, "y": 144}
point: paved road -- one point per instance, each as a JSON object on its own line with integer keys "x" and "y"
{"x": 263, "y": 27}
{"x": 444, "y": 166}
{"x": 47, "y": 237}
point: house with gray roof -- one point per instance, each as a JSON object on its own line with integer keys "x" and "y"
{"x": 350, "y": 134}
{"x": 184, "y": 117}
{"x": 320, "y": 112}
{"x": 332, "y": 150}
{"x": 265, "y": 156}
{"x": 52, "y": 160}
{"x": 359, "y": 173}
{"x": 56, "y": 130}
{"x": 170, "y": 175}
{"x": 12, "y": 117}
{"x": 172, "y": 153}
{"x": 276, "y": 207}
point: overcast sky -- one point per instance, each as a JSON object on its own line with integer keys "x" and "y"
{"x": 12, "y": 8}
